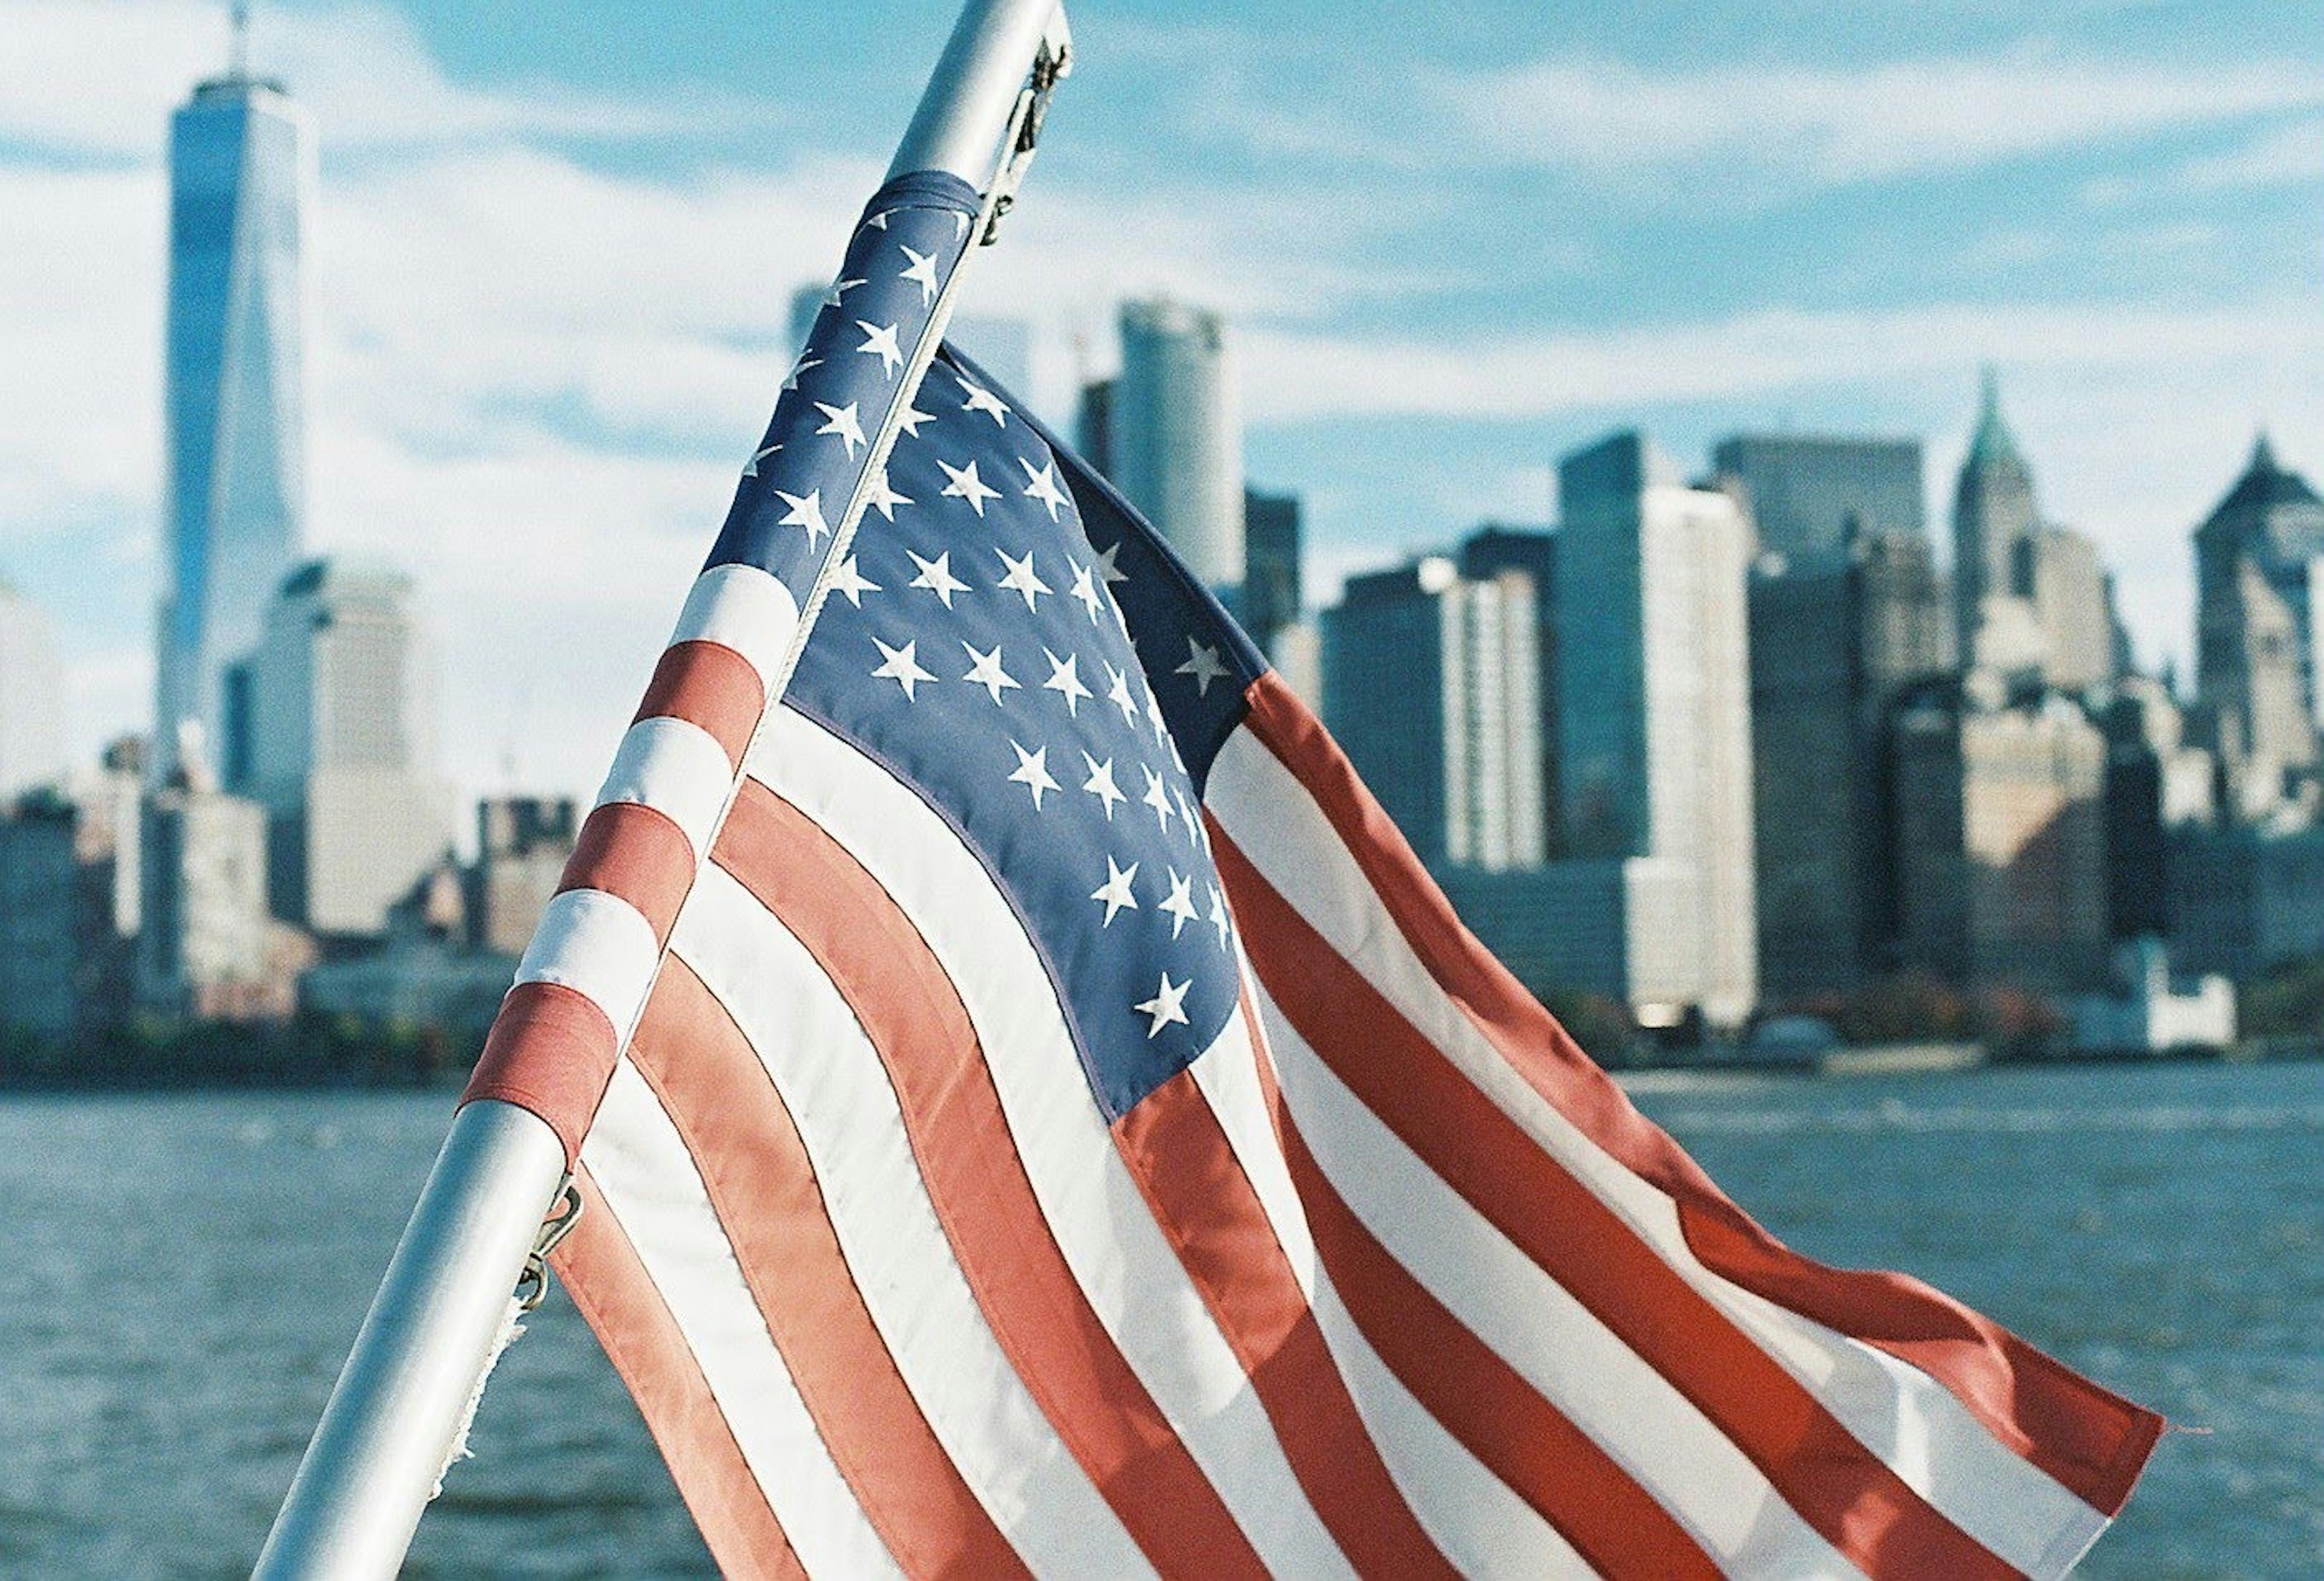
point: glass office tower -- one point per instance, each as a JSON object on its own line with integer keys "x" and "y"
{"x": 241, "y": 168}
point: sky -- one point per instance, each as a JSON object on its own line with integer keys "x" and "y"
{"x": 555, "y": 248}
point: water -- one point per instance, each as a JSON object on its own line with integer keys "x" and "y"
{"x": 180, "y": 1278}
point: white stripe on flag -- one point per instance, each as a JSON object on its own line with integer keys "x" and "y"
{"x": 1228, "y": 1074}
{"x": 1555, "y": 1344}
{"x": 2005, "y": 1503}
{"x": 677, "y": 768}
{"x": 849, "y": 1121}
{"x": 1482, "y": 1526}
{"x": 598, "y": 945}
{"x": 745, "y": 609}
{"x": 650, "y": 1184}
{"x": 1118, "y": 1254}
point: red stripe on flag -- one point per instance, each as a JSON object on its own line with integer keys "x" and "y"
{"x": 1187, "y": 1169}
{"x": 913, "y": 1017}
{"x": 635, "y": 852}
{"x": 551, "y": 1052}
{"x": 1854, "y": 1499}
{"x": 710, "y": 684}
{"x": 601, "y": 1272}
{"x": 1486, "y": 1404}
{"x": 763, "y": 1188}
{"x": 2085, "y": 1437}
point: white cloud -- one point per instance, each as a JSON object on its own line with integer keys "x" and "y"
{"x": 1832, "y": 127}
{"x": 2285, "y": 156}
{"x": 98, "y": 77}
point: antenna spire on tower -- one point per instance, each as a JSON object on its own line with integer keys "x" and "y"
{"x": 237, "y": 66}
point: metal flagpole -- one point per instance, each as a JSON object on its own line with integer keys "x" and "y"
{"x": 439, "y": 1319}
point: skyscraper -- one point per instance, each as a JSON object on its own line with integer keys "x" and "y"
{"x": 342, "y": 748}
{"x": 1810, "y": 494}
{"x": 1832, "y": 645}
{"x": 1173, "y": 434}
{"x": 2255, "y": 630}
{"x": 1271, "y": 596}
{"x": 32, "y": 698}
{"x": 1429, "y": 682}
{"x": 241, "y": 167}
{"x": 1994, "y": 516}
{"x": 1654, "y": 716}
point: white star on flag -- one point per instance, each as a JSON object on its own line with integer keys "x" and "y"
{"x": 883, "y": 497}
{"x": 843, "y": 421}
{"x": 1084, "y": 590}
{"x": 936, "y": 576}
{"x": 1203, "y": 663}
{"x": 1032, "y": 772}
{"x": 981, "y": 399}
{"x": 1100, "y": 783}
{"x": 880, "y": 341}
{"x": 965, "y": 484}
{"x": 902, "y": 667}
{"x": 1022, "y": 578}
{"x": 804, "y": 511}
{"x": 1219, "y": 919}
{"x": 988, "y": 674}
{"x": 1065, "y": 678}
{"x": 1107, "y": 568}
{"x": 852, "y": 583}
{"x": 1181, "y": 902}
{"x": 1166, "y": 1006}
{"x": 751, "y": 467}
{"x": 801, "y": 366}
{"x": 1158, "y": 796}
{"x": 910, "y": 421}
{"x": 839, "y": 287}
{"x": 1042, "y": 485}
{"x": 922, "y": 274}
{"x": 1115, "y": 890}
{"x": 1118, "y": 692}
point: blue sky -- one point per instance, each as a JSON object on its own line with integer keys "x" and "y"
{"x": 556, "y": 246}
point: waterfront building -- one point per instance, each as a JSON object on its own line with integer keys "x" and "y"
{"x": 208, "y": 947}
{"x": 1810, "y": 495}
{"x": 1494, "y": 550}
{"x": 2256, "y": 634}
{"x": 2154, "y": 1010}
{"x": 1173, "y": 434}
{"x": 2245, "y": 897}
{"x": 1653, "y": 722}
{"x": 241, "y": 167}
{"x": 1429, "y": 682}
{"x": 338, "y": 741}
{"x": 41, "y": 922}
{"x": 32, "y": 698}
{"x": 1833, "y": 644}
{"x": 423, "y": 971}
{"x": 1271, "y": 597}
{"x": 1093, "y": 426}
{"x": 522, "y": 846}
{"x": 2156, "y": 784}
{"x": 2000, "y": 835}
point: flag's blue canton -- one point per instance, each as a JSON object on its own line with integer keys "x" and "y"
{"x": 978, "y": 642}
{"x": 795, "y": 488}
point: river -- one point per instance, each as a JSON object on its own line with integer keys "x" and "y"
{"x": 180, "y": 1275}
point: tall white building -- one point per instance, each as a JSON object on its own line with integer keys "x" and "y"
{"x": 242, "y": 169}
{"x": 1174, "y": 434}
{"x": 333, "y": 724}
{"x": 1653, "y": 716}
{"x": 32, "y": 698}
{"x": 1430, "y": 685}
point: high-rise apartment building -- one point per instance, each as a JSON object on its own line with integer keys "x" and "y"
{"x": 1833, "y": 644}
{"x": 1994, "y": 516}
{"x": 32, "y": 698}
{"x": 206, "y": 947}
{"x": 2255, "y": 564}
{"x": 337, "y": 740}
{"x": 1271, "y": 596}
{"x": 1653, "y": 716}
{"x": 1429, "y": 682}
{"x": 2001, "y": 837}
{"x": 1173, "y": 434}
{"x": 241, "y": 168}
{"x": 1809, "y": 495}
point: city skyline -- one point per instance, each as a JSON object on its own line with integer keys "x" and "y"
{"x": 490, "y": 389}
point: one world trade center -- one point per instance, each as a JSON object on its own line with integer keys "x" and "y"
{"x": 241, "y": 167}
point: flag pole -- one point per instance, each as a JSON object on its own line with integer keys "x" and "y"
{"x": 411, "y": 1378}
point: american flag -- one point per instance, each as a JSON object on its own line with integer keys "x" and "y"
{"x": 1035, "y": 1115}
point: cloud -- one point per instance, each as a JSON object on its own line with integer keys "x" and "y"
{"x": 2286, "y": 156}
{"x": 97, "y": 79}
{"x": 1829, "y": 126}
